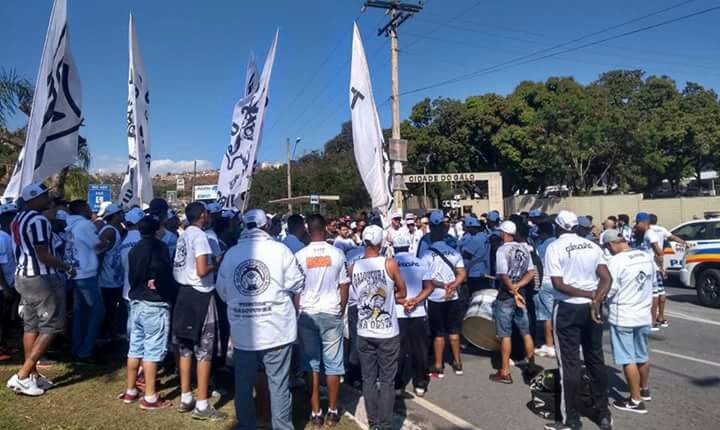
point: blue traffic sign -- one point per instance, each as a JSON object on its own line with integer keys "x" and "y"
{"x": 98, "y": 194}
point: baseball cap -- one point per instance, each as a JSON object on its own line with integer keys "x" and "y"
{"x": 227, "y": 213}
{"x": 61, "y": 215}
{"x": 214, "y": 208}
{"x": 584, "y": 221}
{"x": 34, "y": 190}
{"x": 8, "y": 208}
{"x": 508, "y": 227}
{"x": 471, "y": 221}
{"x": 157, "y": 206}
{"x": 410, "y": 217}
{"x": 536, "y": 213}
{"x": 373, "y": 234}
{"x": 436, "y": 218}
{"x": 566, "y": 220}
{"x": 611, "y": 235}
{"x": 109, "y": 210}
{"x": 396, "y": 215}
{"x": 134, "y": 215}
{"x": 410, "y": 221}
{"x": 255, "y": 216}
{"x": 402, "y": 241}
{"x": 493, "y": 216}
{"x": 642, "y": 217}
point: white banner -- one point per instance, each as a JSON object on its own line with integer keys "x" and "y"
{"x": 240, "y": 158}
{"x": 368, "y": 142}
{"x": 51, "y": 143}
{"x": 137, "y": 188}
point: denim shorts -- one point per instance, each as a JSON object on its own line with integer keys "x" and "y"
{"x": 544, "y": 301}
{"x": 505, "y": 314}
{"x": 149, "y": 330}
{"x": 322, "y": 342}
{"x": 629, "y": 344}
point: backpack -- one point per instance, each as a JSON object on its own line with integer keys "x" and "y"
{"x": 545, "y": 394}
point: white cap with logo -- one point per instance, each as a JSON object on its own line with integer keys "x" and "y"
{"x": 255, "y": 216}
{"x": 34, "y": 190}
{"x": 373, "y": 234}
{"x": 109, "y": 209}
{"x": 508, "y": 227}
{"x": 566, "y": 220}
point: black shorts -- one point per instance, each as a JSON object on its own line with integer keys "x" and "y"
{"x": 477, "y": 284}
{"x": 445, "y": 318}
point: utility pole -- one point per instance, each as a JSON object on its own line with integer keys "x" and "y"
{"x": 290, "y": 152}
{"x": 192, "y": 190}
{"x": 397, "y": 149}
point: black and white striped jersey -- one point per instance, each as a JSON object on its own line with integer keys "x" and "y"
{"x": 30, "y": 228}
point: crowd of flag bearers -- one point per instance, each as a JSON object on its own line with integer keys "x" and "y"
{"x": 354, "y": 299}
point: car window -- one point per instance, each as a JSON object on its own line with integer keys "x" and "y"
{"x": 695, "y": 231}
{"x": 712, "y": 232}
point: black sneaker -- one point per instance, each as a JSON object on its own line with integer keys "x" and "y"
{"x": 645, "y": 394}
{"x": 663, "y": 323}
{"x": 605, "y": 423}
{"x": 317, "y": 422}
{"x": 436, "y": 373}
{"x": 457, "y": 367}
{"x": 629, "y": 405}
{"x": 560, "y": 426}
{"x": 184, "y": 408}
{"x": 332, "y": 419}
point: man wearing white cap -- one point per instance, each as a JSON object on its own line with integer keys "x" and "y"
{"x": 39, "y": 286}
{"x": 259, "y": 279}
{"x": 515, "y": 270}
{"x": 413, "y": 232}
{"x": 444, "y": 308}
{"x": 475, "y": 249}
{"x": 376, "y": 287}
{"x": 395, "y": 227}
{"x": 110, "y": 276}
{"x": 412, "y": 317}
{"x": 577, "y": 268}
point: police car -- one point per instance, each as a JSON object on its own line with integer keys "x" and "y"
{"x": 698, "y": 265}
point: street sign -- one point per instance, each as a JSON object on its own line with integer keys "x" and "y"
{"x": 445, "y": 177}
{"x": 205, "y": 192}
{"x": 314, "y": 199}
{"x": 180, "y": 184}
{"x": 171, "y": 197}
{"x": 97, "y": 194}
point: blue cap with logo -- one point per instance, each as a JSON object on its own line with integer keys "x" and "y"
{"x": 642, "y": 217}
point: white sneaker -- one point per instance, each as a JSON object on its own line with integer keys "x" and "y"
{"x": 42, "y": 381}
{"x": 27, "y": 386}
{"x": 519, "y": 363}
{"x": 420, "y": 392}
{"x": 549, "y": 351}
{"x": 540, "y": 352}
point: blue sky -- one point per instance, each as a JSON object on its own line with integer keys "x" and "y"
{"x": 195, "y": 54}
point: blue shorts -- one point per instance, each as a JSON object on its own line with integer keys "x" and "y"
{"x": 505, "y": 313}
{"x": 544, "y": 301}
{"x": 321, "y": 336}
{"x": 149, "y": 326}
{"x": 658, "y": 285}
{"x": 629, "y": 344}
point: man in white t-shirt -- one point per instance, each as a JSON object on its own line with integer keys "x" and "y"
{"x": 629, "y": 301}
{"x": 648, "y": 241}
{"x": 475, "y": 249}
{"x": 412, "y": 318}
{"x": 195, "y": 319}
{"x": 259, "y": 278}
{"x": 82, "y": 252}
{"x": 577, "y": 269}
{"x": 344, "y": 241}
{"x": 395, "y": 227}
{"x": 444, "y": 308}
{"x": 320, "y": 325}
{"x": 414, "y": 233}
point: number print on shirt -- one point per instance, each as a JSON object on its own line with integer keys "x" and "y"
{"x": 252, "y": 278}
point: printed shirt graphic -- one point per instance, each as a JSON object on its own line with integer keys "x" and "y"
{"x": 575, "y": 260}
{"x": 325, "y": 269}
{"x": 630, "y": 296}
{"x": 191, "y": 245}
{"x": 374, "y": 293}
{"x": 512, "y": 259}
{"x": 441, "y": 271}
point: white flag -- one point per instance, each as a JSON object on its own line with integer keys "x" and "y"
{"x": 51, "y": 143}
{"x": 368, "y": 142}
{"x": 137, "y": 188}
{"x": 239, "y": 160}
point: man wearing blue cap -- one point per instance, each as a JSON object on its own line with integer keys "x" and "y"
{"x": 648, "y": 240}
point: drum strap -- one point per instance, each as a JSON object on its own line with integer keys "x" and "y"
{"x": 444, "y": 258}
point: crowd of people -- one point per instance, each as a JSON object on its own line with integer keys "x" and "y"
{"x": 376, "y": 305}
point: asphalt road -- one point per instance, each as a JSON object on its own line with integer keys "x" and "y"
{"x": 684, "y": 381}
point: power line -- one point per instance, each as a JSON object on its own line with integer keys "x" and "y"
{"x": 518, "y": 61}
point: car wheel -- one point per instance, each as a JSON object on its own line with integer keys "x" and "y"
{"x": 708, "y": 288}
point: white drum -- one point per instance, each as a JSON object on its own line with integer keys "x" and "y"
{"x": 478, "y": 324}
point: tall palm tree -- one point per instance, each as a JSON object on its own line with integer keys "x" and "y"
{"x": 15, "y": 94}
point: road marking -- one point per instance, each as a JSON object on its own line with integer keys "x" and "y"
{"x": 447, "y": 416}
{"x": 691, "y": 318}
{"x": 685, "y": 357}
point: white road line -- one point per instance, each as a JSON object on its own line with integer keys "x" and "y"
{"x": 685, "y": 357}
{"x": 447, "y": 416}
{"x": 691, "y": 318}
{"x": 357, "y": 422}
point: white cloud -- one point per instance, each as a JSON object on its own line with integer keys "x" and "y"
{"x": 106, "y": 164}
{"x": 161, "y": 167}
